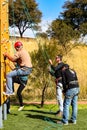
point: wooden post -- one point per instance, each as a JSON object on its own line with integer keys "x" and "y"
{"x": 4, "y": 47}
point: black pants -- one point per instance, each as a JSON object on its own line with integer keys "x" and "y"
{"x": 8, "y": 105}
{"x": 22, "y": 85}
{"x": 19, "y": 91}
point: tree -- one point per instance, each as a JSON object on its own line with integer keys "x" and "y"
{"x": 75, "y": 14}
{"x": 64, "y": 34}
{"x": 24, "y": 14}
{"x": 40, "y": 75}
{"x": 70, "y": 25}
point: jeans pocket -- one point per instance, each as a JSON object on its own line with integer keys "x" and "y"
{"x": 69, "y": 96}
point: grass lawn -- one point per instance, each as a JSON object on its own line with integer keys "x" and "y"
{"x": 35, "y": 118}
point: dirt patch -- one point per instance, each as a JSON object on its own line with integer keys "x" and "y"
{"x": 82, "y": 102}
{"x": 53, "y": 102}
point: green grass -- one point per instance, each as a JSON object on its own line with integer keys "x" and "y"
{"x": 35, "y": 118}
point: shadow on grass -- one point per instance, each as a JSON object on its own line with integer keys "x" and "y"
{"x": 34, "y": 104}
{"x": 12, "y": 114}
{"x": 42, "y": 117}
{"x": 38, "y": 105}
{"x": 42, "y": 112}
{"x": 51, "y": 123}
{"x": 39, "y": 114}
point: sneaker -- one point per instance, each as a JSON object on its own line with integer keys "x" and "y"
{"x": 73, "y": 122}
{"x": 65, "y": 123}
{"x": 21, "y": 108}
{"x": 12, "y": 93}
{"x": 8, "y": 94}
{"x": 61, "y": 122}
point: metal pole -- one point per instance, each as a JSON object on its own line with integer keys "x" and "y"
{"x": 4, "y": 111}
{"x": 1, "y": 122}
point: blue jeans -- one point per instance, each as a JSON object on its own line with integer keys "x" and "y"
{"x": 59, "y": 96}
{"x": 71, "y": 97}
{"x": 9, "y": 78}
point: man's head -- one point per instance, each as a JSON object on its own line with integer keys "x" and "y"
{"x": 58, "y": 58}
{"x": 18, "y": 45}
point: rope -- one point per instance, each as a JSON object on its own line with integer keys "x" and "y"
{"x": 28, "y": 15}
{"x": 53, "y": 124}
{"x": 44, "y": 53}
{"x": 13, "y": 25}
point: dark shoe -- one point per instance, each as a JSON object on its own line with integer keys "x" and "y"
{"x": 72, "y": 122}
{"x": 60, "y": 113}
{"x": 8, "y": 112}
{"x": 57, "y": 112}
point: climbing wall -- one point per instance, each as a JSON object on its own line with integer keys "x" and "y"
{"x": 4, "y": 47}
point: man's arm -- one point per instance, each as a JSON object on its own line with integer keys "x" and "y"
{"x": 9, "y": 57}
{"x": 59, "y": 66}
{"x": 51, "y": 64}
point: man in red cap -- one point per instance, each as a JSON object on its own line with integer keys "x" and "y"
{"x": 20, "y": 74}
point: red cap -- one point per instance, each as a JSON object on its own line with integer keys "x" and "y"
{"x": 18, "y": 44}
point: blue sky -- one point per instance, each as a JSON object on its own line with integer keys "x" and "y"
{"x": 50, "y": 11}
{"x": 50, "y": 8}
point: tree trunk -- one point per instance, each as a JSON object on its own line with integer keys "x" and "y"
{"x": 43, "y": 95}
{"x": 21, "y": 35}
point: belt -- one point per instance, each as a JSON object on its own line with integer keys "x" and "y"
{"x": 73, "y": 82}
{"x": 25, "y": 67}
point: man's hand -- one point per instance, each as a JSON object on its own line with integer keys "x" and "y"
{"x": 50, "y": 61}
{"x": 5, "y": 54}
